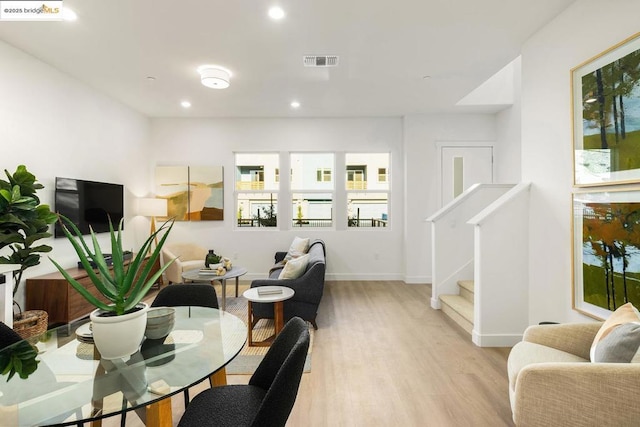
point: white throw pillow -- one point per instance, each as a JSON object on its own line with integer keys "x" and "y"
{"x": 294, "y": 268}
{"x": 298, "y": 247}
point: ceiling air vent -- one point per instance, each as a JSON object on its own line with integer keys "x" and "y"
{"x": 320, "y": 60}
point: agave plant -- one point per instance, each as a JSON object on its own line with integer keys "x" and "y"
{"x": 123, "y": 285}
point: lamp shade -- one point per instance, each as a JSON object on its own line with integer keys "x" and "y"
{"x": 153, "y": 207}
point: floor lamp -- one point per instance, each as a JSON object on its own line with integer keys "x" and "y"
{"x": 152, "y": 208}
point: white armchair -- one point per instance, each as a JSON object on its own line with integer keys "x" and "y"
{"x": 188, "y": 257}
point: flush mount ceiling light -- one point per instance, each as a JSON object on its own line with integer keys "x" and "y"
{"x": 214, "y": 76}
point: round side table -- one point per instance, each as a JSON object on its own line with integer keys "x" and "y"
{"x": 267, "y": 294}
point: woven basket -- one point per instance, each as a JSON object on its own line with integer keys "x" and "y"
{"x": 32, "y": 323}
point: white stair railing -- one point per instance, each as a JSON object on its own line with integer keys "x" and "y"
{"x": 501, "y": 236}
{"x": 452, "y": 243}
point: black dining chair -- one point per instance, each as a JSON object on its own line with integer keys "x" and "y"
{"x": 268, "y": 398}
{"x": 8, "y": 336}
{"x": 180, "y": 295}
{"x": 186, "y": 294}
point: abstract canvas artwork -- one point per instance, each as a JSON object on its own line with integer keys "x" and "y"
{"x": 193, "y": 193}
{"x": 206, "y": 195}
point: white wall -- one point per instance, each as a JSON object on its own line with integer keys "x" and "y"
{"x": 585, "y": 29}
{"x": 509, "y": 130}
{"x": 351, "y": 254}
{"x": 57, "y": 126}
{"x": 421, "y": 132}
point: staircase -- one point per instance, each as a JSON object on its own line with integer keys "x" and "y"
{"x": 460, "y": 307}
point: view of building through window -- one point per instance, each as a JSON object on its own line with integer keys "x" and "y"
{"x": 313, "y": 191}
{"x": 257, "y": 188}
{"x": 312, "y": 173}
{"x": 367, "y": 189}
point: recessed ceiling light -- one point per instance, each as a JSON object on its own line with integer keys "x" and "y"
{"x": 68, "y": 14}
{"x": 214, "y": 76}
{"x": 276, "y": 12}
{"x": 185, "y": 104}
{"x": 295, "y": 104}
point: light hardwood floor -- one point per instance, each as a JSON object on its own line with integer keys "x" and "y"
{"x": 383, "y": 357}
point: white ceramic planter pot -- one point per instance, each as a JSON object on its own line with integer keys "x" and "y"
{"x": 119, "y": 336}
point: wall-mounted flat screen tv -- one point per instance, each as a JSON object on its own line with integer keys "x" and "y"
{"x": 89, "y": 203}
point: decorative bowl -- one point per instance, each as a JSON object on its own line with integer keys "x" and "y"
{"x": 160, "y": 322}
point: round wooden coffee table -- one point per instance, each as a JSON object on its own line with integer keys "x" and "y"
{"x": 267, "y": 294}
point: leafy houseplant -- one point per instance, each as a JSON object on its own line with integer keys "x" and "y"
{"x": 23, "y": 221}
{"x": 21, "y": 360}
{"x": 212, "y": 258}
{"x": 118, "y": 327}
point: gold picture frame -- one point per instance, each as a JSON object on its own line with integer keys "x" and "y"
{"x": 606, "y": 250}
{"x": 606, "y": 116}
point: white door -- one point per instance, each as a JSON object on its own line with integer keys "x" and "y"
{"x": 463, "y": 166}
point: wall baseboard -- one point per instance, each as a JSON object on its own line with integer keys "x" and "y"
{"x": 418, "y": 280}
{"x": 338, "y": 277}
{"x": 495, "y": 340}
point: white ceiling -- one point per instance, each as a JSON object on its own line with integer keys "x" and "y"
{"x": 385, "y": 48}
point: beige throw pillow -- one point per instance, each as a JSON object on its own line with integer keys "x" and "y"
{"x": 294, "y": 268}
{"x": 603, "y": 343}
{"x": 298, "y": 247}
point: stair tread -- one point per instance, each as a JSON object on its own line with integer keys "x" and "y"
{"x": 467, "y": 284}
{"x": 461, "y": 305}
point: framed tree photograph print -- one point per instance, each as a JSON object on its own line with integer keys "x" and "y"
{"x": 606, "y": 116}
{"x": 606, "y": 251}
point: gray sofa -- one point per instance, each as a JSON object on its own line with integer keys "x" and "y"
{"x": 308, "y": 287}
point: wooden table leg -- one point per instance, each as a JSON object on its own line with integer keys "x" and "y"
{"x": 218, "y": 378}
{"x": 159, "y": 414}
{"x": 250, "y": 322}
{"x": 237, "y": 283}
{"x": 278, "y": 317}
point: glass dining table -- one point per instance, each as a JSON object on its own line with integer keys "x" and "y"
{"x": 72, "y": 385}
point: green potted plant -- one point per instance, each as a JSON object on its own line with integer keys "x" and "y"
{"x": 23, "y": 221}
{"x": 118, "y": 325}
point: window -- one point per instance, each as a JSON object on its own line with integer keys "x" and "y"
{"x": 367, "y": 209}
{"x": 356, "y": 177}
{"x": 257, "y": 187}
{"x": 382, "y": 174}
{"x": 323, "y": 175}
{"x": 312, "y": 182}
{"x": 367, "y": 199}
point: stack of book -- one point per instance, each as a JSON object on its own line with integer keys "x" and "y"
{"x": 269, "y": 291}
